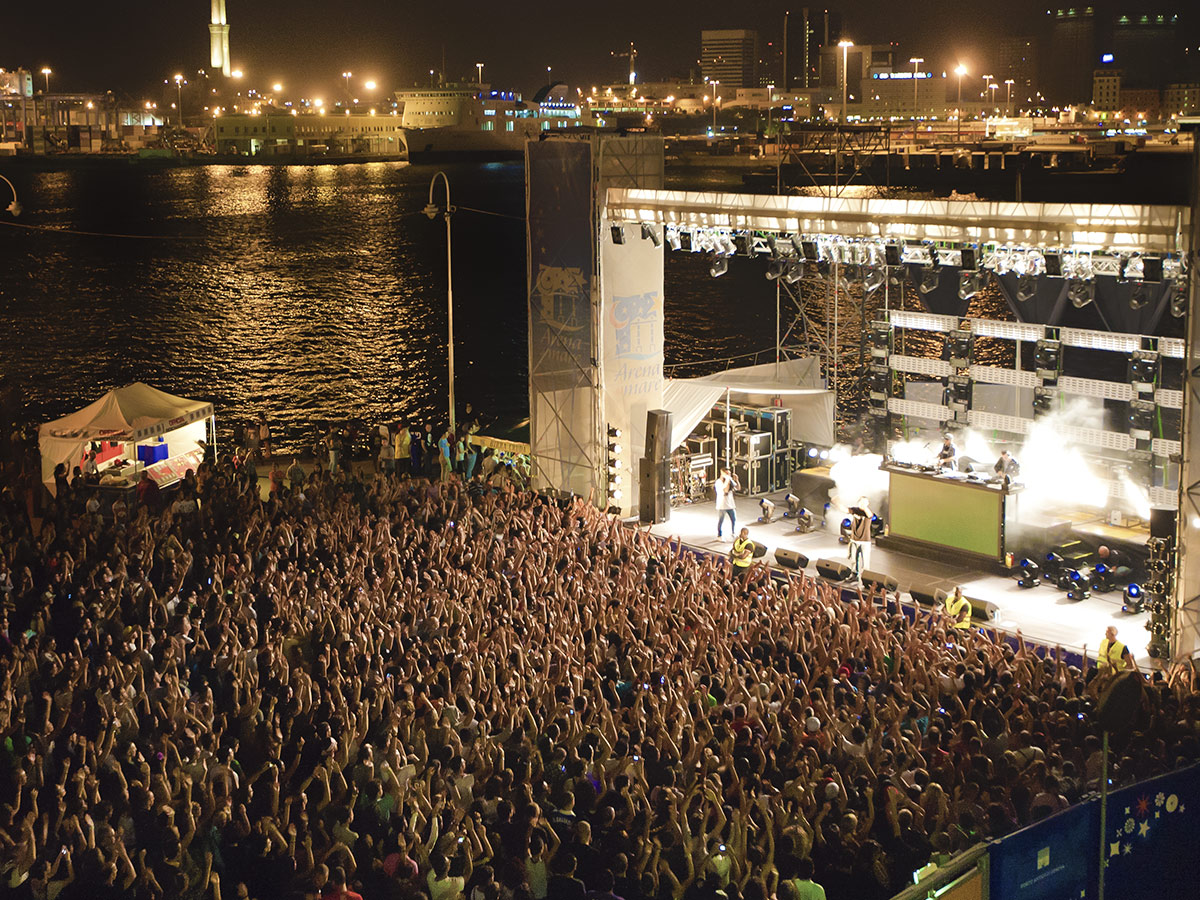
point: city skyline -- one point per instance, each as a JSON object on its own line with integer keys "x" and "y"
{"x": 302, "y": 47}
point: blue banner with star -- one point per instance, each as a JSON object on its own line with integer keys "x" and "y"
{"x": 1151, "y": 842}
{"x": 1152, "y": 837}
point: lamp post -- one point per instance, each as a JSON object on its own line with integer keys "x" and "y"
{"x": 15, "y": 206}
{"x": 179, "y": 97}
{"x": 1008, "y": 83}
{"x": 47, "y": 71}
{"x": 346, "y": 76}
{"x": 845, "y": 45}
{"x": 479, "y": 66}
{"x": 916, "y": 64}
{"x": 716, "y": 100}
{"x": 431, "y": 79}
{"x": 432, "y": 210}
{"x": 960, "y": 70}
{"x": 990, "y": 87}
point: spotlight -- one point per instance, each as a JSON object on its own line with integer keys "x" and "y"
{"x": 1081, "y": 291}
{"x": 1026, "y": 288}
{"x": 1043, "y": 401}
{"x": 824, "y": 454}
{"x": 718, "y": 266}
{"x": 1051, "y": 566}
{"x": 1139, "y": 295}
{"x": 794, "y": 271}
{"x": 614, "y": 432}
{"x": 811, "y": 252}
{"x": 686, "y": 242}
{"x": 768, "y": 510}
{"x": 1102, "y": 578}
{"x": 1135, "y": 599}
{"x": 673, "y": 239}
{"x": 1029, "y": 575}
{"x": 1046, "y": 358}
{"x": 744, "y": 241}
{"x": 1133, "y": 267}
{"x": 649, "y": 234}
{"x": 969, "y": 263}
{"x": 844, "y": 534}
{"x": 873, "y": 278}
{"x": 775, "y": 268}
{"x": 793, "y": 505}
{"x": 931, "y": 276}
{"x": 618, "y": 234}
{"x": 812, "y": 452}
{"x": 1053, "y": 264}
{"x": 1179, "y": 298}
{"x": 805, "y": 521}
{"x": 969, "y": 284}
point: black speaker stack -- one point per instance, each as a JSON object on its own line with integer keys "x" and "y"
{"x": 654, "y": 474}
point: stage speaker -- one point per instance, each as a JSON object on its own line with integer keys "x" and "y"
{"x": 927, "y": 595}
{"x": 833, "y": 570}
{"x": 983, "y": 610}
{"x": 1162, "y": 523}
{"x": 875, "y": 580}
{"x": 654, "y": 491}
{"x": 1119, "y": 702}
{"x": 790, "y": 559}
{"x": 759, "y": 550}
{"x": 658, "y": 434}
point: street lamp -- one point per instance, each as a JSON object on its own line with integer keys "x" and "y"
{"x": 479, "y": 66}
{"x": 346, "y": 75}
{"x": 916, "y": 64}
{"x": 179, "y": 94}
{"x": 960, "y": 70}
{"x": 990, "y": 86}
{"x": 431, "y": 79}
{"x": 369, "y": 85}
{"x": 47, "y": 71}
{"x": 845, "y": 45}
{"x": 15, "y": 206}
{"x": 1008, "y": 83}
{"x": 432, "y": 210}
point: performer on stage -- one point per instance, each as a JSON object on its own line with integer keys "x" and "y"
{"x": 947, "y": 456}
{"x": 724, "y": 487}
{"x": 860, "y": 537}
{"x": 1007, "y": 465}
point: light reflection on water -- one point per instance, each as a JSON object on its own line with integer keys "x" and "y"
{"x": 314, "y": 293}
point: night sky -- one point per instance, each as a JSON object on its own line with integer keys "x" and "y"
{"x": 132, "y": 46}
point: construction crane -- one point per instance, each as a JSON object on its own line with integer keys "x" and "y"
{"x": 632, "y": 55}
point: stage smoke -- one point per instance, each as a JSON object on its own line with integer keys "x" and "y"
{"x": 1136, "y": 496}
{"x": 1056, "y": 473}
{"x": 855, "y": 477}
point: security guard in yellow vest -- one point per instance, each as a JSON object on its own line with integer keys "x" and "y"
{"x": 958, "y": 608}
{"x": 1114, "y": 656}
{"x": 742, "y": 554}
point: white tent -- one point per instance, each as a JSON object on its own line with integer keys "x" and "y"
{"x": 796, "y": 385}
{"x": 136, "y": 412}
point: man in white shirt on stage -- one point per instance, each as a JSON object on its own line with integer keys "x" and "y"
{"x": 724, "y": 487}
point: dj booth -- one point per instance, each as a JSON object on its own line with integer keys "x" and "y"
{"x": 950, "y": 511}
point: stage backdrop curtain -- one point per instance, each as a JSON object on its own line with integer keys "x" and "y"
{"x": 812, "y": 407}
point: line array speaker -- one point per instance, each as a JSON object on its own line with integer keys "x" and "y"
{"x": 658, "y": 434}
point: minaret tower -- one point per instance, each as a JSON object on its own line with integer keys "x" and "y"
{"x": 218, "y": 38}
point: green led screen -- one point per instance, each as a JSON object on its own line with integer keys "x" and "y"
{"x": 945, "y": 512}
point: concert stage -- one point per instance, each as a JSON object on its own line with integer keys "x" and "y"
{"x": 1043, "y": 614}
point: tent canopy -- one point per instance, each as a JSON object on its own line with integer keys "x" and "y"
{"x": 797, "y": 386}
{"x": 133, "y": 413}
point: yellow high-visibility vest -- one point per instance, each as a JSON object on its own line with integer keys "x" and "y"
{"x": 1111, "y": 654}
{"x": 740, "y": 557}
{"x": 955, "y": 610}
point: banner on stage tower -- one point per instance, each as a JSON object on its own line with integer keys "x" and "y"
{"x": 631, "y": 339}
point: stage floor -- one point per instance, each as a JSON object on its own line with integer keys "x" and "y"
{"x": 1043, "y": 614}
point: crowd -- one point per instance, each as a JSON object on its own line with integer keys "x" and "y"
{"x": 367, "y": 684}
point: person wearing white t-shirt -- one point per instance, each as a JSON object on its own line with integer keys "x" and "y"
{"x": 724, "y": 487}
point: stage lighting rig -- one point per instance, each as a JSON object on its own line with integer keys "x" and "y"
{"x": 1102, "y": 578}
{"x": 844, "y": 531}
{"x": 1043, "y": 401}
{"x": 957, "y": 395}
{"x": 958, "y": 347}
{"x": 1179, "y": 296}
{"x": 1026, "y": 287}
{"x": 649, "y": 234}
{"x": 1143, "y": 370}
{"x": 1051, "y": 566}
{"x": 1078, "y": 585}
{"x": 970, "y": 284}
{"x": 776, "y": 267}
{"x": 1047, "y": 358}
{"x": 1028, "y": 575}
{"x": 744, "y": 242}
{"x": 1053, "y": 260}
{"x": 793, "y": 505}
{"x": 674, "y": 239}
{"x": 1081, "y": 292}
{"x": 768, "y": 510}
{"x": 1141, "y": 419}
{"x": 1135, "y": 599}
{"x": 686, "y": 243}
{"x": 880, "y": 337}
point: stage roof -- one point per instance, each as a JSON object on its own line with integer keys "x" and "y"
{"x": 1162, "y": 229}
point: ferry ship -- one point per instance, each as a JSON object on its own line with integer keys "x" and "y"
{"x": 476, "y": 122}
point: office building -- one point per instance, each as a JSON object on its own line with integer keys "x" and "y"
{"x": 1147, "y": 48}
{"x": 730, "y": 56}
{"x": 1073, "y": 54}
{"x": 1106, "y": 89}
{"x": 1182, "y": 99}
{"x": 1016, "y": 60}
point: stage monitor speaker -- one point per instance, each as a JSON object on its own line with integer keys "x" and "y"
{"x": 658, "y": 434}
{"x": 1119, "y": 702}
{"x": 654, "y": 491}
{"x": 875, "y": 580}
{"x": 759, "y": 550}
{"x": 983, "y": 610}
{"x": 833, "y": 570}
{"x": 927, "y": 595}
{"x": 1162, "y": 523}
{"x": 790, "y": 559}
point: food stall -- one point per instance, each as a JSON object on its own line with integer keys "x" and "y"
{"x": 133, "y": 429}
